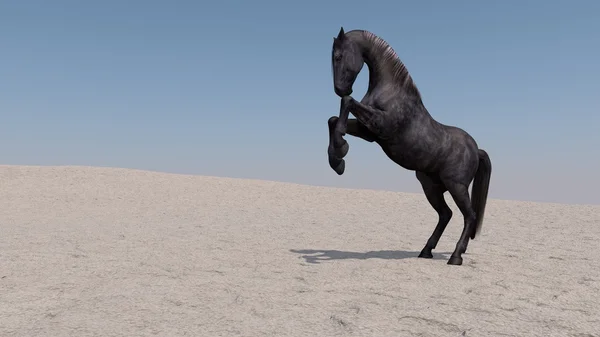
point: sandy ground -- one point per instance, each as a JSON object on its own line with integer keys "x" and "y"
{"x": 115, "y": 252}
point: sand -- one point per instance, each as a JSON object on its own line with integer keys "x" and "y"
{"x": 117, "y": 252}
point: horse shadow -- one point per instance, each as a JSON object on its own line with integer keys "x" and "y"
{"x": 316, "y": 256}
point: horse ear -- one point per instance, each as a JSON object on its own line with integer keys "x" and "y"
{"x": 341, "y": 34}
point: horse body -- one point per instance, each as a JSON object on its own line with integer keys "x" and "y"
{"x": 411, "y": 137}
{"x": 392, "y": 114}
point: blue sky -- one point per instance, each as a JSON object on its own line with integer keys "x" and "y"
{"x": 244, "y": 88}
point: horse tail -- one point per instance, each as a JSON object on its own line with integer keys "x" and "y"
{"x": 481, "y": 184}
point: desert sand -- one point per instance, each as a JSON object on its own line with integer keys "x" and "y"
{"x": 117, "y": 252}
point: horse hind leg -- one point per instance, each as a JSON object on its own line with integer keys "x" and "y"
{"x": 460, "y": 194}
{"x": 434, "y": 191}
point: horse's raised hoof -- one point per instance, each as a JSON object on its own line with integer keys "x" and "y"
{"x": 342, "y": 151}
{"x": 426, "y": 254}
{"x": 455, "y": 260}
{"x": 340, "y": 168}
{"x": 338, "y": 165}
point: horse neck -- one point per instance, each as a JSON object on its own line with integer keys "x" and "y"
{"x": 378, "y": 75}
{"x": 381, "y": 70}
{"x": 384, "y": 69}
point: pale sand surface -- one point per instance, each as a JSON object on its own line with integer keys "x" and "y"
{"x": 116, "y": 252}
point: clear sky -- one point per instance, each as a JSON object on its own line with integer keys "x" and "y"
{"x": 244, "y": 88}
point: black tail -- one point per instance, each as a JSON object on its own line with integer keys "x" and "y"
{"x": 481, "y": 185}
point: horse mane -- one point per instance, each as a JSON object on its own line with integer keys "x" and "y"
{"x": 399, "y": 72}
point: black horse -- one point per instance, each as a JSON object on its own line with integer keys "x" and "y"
{"x": 392, "y": 114}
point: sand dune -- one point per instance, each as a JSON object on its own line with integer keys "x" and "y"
{"x": 117, "y": 252}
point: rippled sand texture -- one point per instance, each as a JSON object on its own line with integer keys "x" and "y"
{"x": 116, "y": 252}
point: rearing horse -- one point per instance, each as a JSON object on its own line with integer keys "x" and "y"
{"x": 392, "y": 114}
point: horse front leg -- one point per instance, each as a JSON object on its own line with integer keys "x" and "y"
{"x": 334, "y": 153}
{"x": 368, "y": 125}
{"x": 374, "y": 120}
{"x": 353, "y": 128}
{"x": 337, "y": 128}
{"x": 338, "y": 146}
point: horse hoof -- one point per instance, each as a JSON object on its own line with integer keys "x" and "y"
{"x": 338, "y": 165}
{"x": 342, "y": 151}
{"x": 339, "y": 169}
{"x": 426, "y": 253}
{"x": 455, "y": 260}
